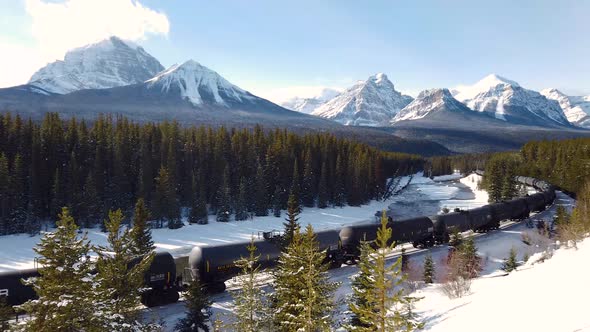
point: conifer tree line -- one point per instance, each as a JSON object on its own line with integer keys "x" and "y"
{"x": 499, "y": 177}
{"x": 109, "y": 163}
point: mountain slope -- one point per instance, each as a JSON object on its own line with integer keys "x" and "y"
{"x": 106, "y": 64}
{"x": 508, "y": 101}
{"x": 373, "y": 102}
{"x": 308, "y": 105}
{"x": 429, "y": 102}
{"x": 575, "y": 108}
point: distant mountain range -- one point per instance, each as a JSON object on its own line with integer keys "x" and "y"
{"x": 116, "y": 76}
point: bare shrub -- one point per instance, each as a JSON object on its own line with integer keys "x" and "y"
{"x": 457, "y": 282}
{"x": 413, "y": 277}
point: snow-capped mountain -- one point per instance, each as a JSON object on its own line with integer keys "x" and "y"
{"x": 508, "y": 101}
{"x": 430, "y": 102}
{"x": 309, "y": 104}
{"x": 373, "y": 102}
{"x": 198, "y": 85}
{"x": 106, "y": 64}
{"x": 576, "y": 108}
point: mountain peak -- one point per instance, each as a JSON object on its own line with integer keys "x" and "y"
{"x": 372, "y": 102}
{"x": 506, "y": 100}
{"x": 198, "y": 84}
{"x": 109, "y": 63}
{"x": 428, "y": 102}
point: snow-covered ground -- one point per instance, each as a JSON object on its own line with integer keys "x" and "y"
{"x": 16, "y": 251}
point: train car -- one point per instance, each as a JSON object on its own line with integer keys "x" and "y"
{"x": 12, "y": 288}
{"x": 418, "y": 231}
{"x": 517, "y": 208}
{"x": 535, "y": 202}
{"x": 214, "y": 264}
{"x": 444, "y": 224}
{"x": 483, "y": 219}
{"x": 329, "y": 240}
{"x": 500, "y": 211}
{"x": 160, "y": 279}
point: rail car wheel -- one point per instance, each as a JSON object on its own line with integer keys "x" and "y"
{"x": 216, "y": 287}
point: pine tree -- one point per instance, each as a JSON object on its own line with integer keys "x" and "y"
{"x": 223, "y": 198}
{"x": 428, "y": 269}
{"x": 323, "y": 193}
{"x": 119, "y": 282}
{"x": 141, "y": 235}
{"x": 339, "y": 196}
{"x": 91, "y": 209}
{"x": 5, "y": 224}
{"x": 510, "y": 264}
{"x": 261, "y": 203}
{"x": 250, "y": 302}
{"x": 241, "y": 207}
{"x": 65, "y": 283}
{"x": 198, "y": 311}
{"x": 166, "y": 206}
{"x": 6, "y": 314}
{"x": 384, "y": 307}
{"x": 276, "y": 202}
{"x": 561, "y": 216}
{"x": 303, "y": 298}
{"x": 307, "y": 185}
{"x": 57, "y": 195}
{"x": 198, "y": 213}
{"x": 362, "y": 284}
{"x": 467, "y": 252}
{"x": 292, "y": 221}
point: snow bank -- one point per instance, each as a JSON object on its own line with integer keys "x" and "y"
{"x": 547, "y": 297}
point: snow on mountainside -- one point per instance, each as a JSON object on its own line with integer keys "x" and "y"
{"x": 576, "y": 108}
{"x": 106, "y": 64}
{"x": 308, "y": 105}
{"x": 508, "y": 101}
{"x": 372, "y": 102}
{"x": 199, "y": 85}
{"x": 428, "y": 102}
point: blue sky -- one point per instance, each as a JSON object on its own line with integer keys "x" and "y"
{"x": 280, "y": 48}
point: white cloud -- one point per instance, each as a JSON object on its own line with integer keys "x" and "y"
{"x": 17, "y": 63}
{"x": 59, "y": 27}
{"x": 281, "y": 95}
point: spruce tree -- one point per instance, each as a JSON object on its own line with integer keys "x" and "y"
{"x": 91, "y": 209}
{"x": 510, "y": 264}
{"x": 141, "y": 234}
{"x": 223, "y": 198}
{"x": 468, "y": 255}
{"x": 428, "y": 269}
{"x": 323, "y": 192}
{"x": 261, "y": 194}
{"x": 562, "y": 217}
{"x": 57, "y": 195}
{"x": 250, "y": 302}
{"x": 6, "y": 314}
{"x": 198, "y": 310}
{"x": 241, "y": 207}
{"x": 166, "y": 206}
{"x": 386, "y": 307}
{"x": 362, "y": 284}
{"x": 65, "y": 284}
{"x": 292, "y": 221}
{"x": 308, "y": 182}
{"x": 339, "y": 192}
{"x": 303, "y": 298}
{"x": 119, "y": 282}
{"x": 198, "y": 213}
{"x": 276, "y": 202}
{"x": 5, "y": 224}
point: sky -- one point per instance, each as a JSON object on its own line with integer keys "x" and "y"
{"x": 281, "y": 49}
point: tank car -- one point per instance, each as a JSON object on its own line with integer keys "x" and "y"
{"x": 160, "y": 279}
{"x": 329, "y": 240}
{"x": 445, "y": 223}
{"x": 418, "y": 231}
{"x": 517, "y": 208}
{"x": 535, "y": 202}
{"x": 12, "y": 288}
{"x": 483, "y": 219}
{"x": 214, "y": 264}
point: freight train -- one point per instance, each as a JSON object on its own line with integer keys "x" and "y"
{"x": 214, "y": 264}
